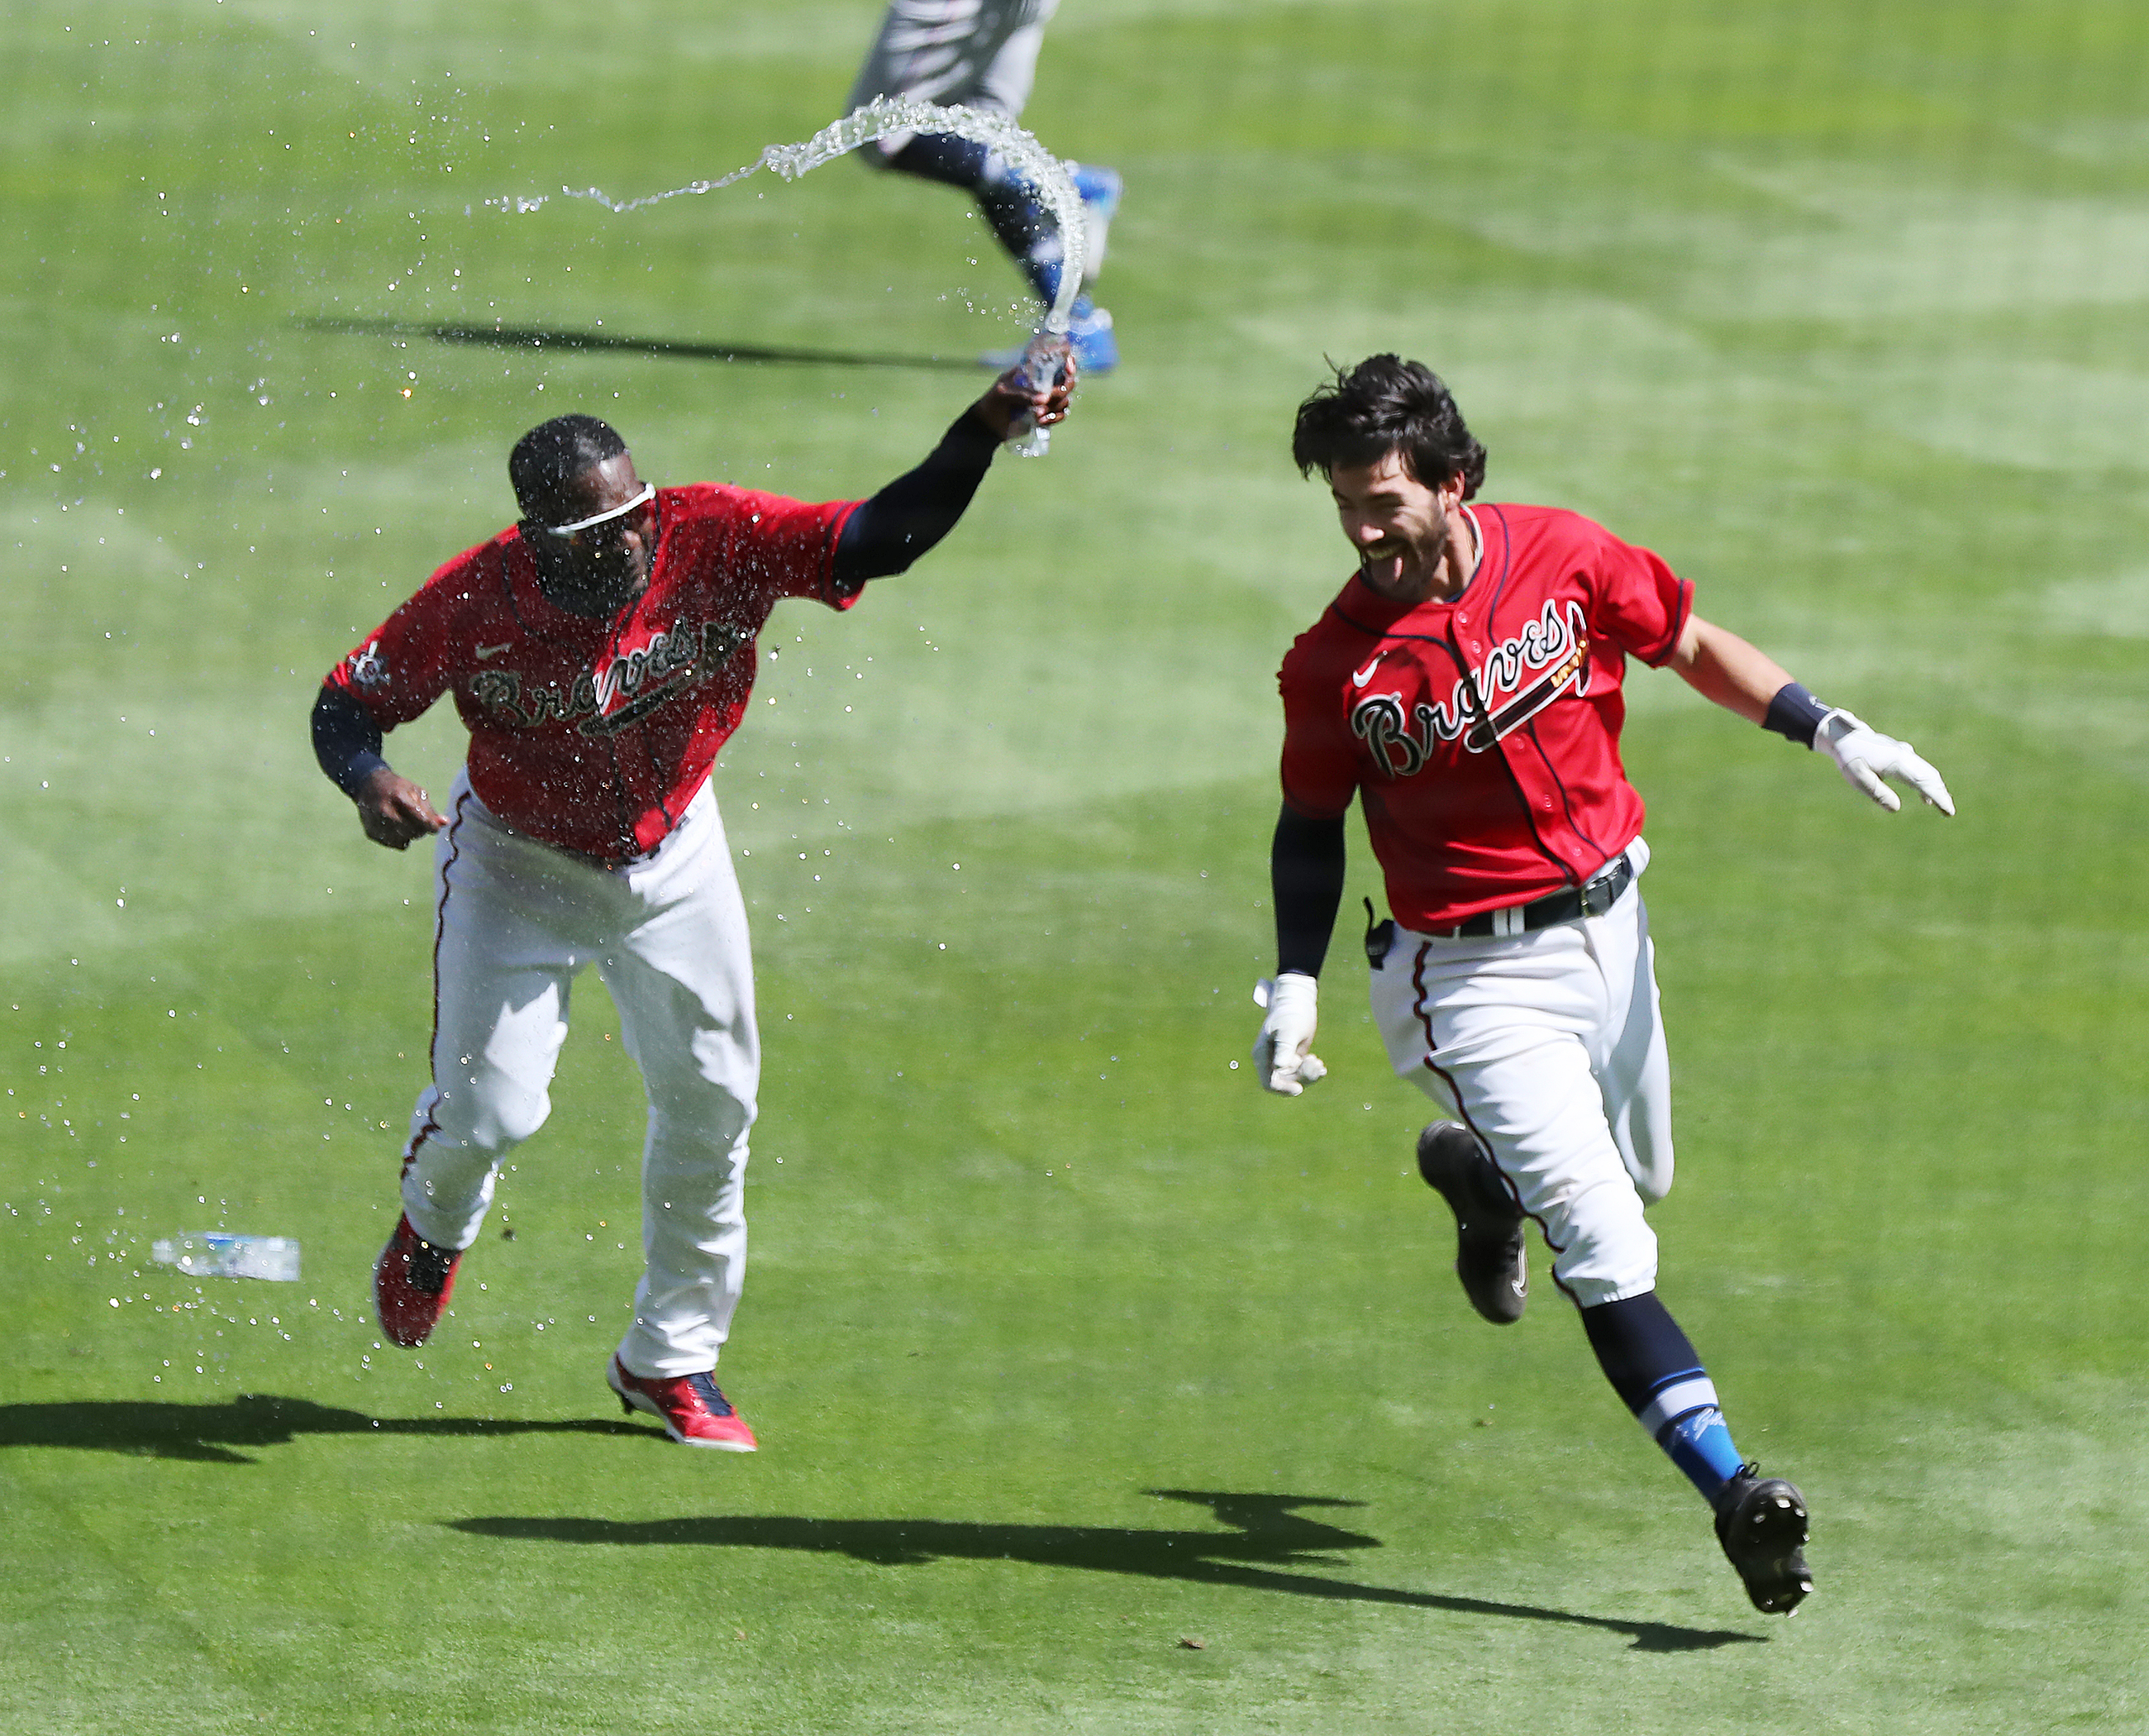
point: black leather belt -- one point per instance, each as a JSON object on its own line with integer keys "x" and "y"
{"x": 1566, "y": 906}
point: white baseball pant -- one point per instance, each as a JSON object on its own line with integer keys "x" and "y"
{"x": 517, "y": 922}
{"x": 977, "y": 53}
{"x": 1550, "y": 1045}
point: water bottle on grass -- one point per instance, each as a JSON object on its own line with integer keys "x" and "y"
{"x": 219, "y": 1254}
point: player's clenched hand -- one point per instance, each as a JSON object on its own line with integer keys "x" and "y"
{"x": 1283, "y": 1053}
{"x": 1865, "y": 757}
{"x": 394, "y": 811}
{"x": 1011, "y": 396}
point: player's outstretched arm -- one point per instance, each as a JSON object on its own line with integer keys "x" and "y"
{"x": 1307, "y": 864}
{"x": 1720, "y": 666}
{"x": 392, "y": 810}
{"x": 885, "y": 534}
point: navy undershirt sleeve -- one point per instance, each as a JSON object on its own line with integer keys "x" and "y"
{"x": 1011, "y": 204}
{"x": 905, "y": 519}
{"x": 1306, "y": 865}
{"x": 346, "y": 740}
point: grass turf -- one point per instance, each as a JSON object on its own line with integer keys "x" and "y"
{"x": 1065, "y": 1344}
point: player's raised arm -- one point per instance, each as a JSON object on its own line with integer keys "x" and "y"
{"x": 913, "y": 512}
{"x": 347, "y": 742}
{"x": 1720, "y": 666}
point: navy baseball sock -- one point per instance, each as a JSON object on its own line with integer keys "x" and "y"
{"x": 1652, "y": 1365}
{"x": 943, "y": 157}
{"x": 1024, "y": 227}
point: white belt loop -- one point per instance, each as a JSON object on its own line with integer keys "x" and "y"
{"x": 1508, "y": 921}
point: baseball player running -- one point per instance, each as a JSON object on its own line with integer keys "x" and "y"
{"x": 1467, "y": 685}
{"x": 983, "y": 54}
{"x": 601, "y": 651}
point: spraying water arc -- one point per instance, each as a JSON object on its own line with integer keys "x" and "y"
{"x": 1045, "y": 357}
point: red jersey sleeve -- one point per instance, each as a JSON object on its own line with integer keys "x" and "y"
{"x": 411, "y": 658}
{"x": 1637, "y": 601}
{"x": 781, "y": 547}
{"x": 1321, "y": 765}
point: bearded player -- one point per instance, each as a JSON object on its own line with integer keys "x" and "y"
{"x": 1466, "y": 687}
{"x": 601, "y": 651}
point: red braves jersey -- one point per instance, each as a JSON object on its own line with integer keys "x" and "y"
{"x": 1483, "y": 732}
{"x": 593, "y": 735}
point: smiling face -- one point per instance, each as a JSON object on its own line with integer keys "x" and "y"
{"x": 600, "y": 569}
{"x": 1410, "y": 539}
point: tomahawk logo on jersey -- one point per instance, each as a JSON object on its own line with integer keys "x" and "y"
{"x": 1485, "y": 704}
{"x": 593, "y": 735}
{"x": 634, "y": 679}
{"x": 1481, "y": 731}
{"x": 626, "y": 685}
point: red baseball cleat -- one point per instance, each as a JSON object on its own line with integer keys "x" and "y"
{"x": 691, "y": 1407}
{"x": 412, "y": 1282}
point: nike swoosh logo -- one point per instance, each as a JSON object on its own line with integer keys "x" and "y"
{"x": 1362, "y": 675}
{"x": 493, "y": 651}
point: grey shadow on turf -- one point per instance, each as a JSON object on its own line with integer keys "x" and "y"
{"x": 1268, "y": 1533}
{"x": 210, "y": 1433}
{"x": 531, "y": 337}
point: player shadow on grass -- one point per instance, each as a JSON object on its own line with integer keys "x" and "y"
{"x": 531, "y": 337}
{"x": 1268, "y": 1535}
{"x": 209, "y": 1434}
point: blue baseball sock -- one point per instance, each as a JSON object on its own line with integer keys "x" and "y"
{"x": 1024, "y": 227}
{"x": 1652, "y": 1365}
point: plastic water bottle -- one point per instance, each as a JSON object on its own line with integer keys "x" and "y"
{"x": 1044, "y": 361}
{"x": 218, "y": 1254}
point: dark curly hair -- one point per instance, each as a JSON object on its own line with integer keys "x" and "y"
{"x": 1386, "y": 404}
{"x": 550, "y": 456}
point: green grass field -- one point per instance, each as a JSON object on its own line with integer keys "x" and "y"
{"x": 1065, "y": 1345}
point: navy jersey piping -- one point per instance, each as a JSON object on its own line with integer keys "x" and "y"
{"x": 1566, "y": 804}
{"x": 1670, "y": 641}
{"x": 1507, "y": 565}
{"x": 1521, "y": 796}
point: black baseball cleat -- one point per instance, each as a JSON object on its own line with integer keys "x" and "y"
{"x": 1489, "y": 1256}
{"x": 1761, "y": 1522}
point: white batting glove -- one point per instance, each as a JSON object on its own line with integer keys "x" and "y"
{"x": 1283, "y": 1053}
{"x": 1865, "y": 757}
